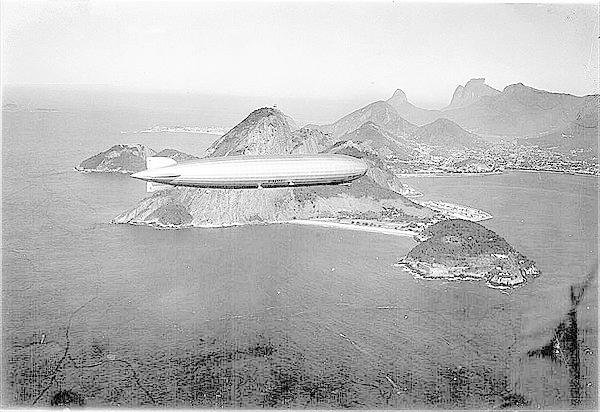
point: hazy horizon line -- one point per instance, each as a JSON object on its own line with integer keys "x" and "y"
{"x": 436, "y": 104}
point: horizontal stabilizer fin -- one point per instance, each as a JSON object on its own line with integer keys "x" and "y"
{"x": 155, "y": 162}
{"x": 155, "y": 187}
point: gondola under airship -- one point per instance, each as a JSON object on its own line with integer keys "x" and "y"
{"x": 245, "y": 172}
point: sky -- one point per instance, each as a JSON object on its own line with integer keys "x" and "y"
{"x": 306, "y": 49}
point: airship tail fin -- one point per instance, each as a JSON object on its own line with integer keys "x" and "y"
{"x": 155, "y": 162}
{"x": 155, "y": 187}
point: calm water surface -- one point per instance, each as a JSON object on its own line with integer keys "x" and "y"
{"x": 266, "y": 315}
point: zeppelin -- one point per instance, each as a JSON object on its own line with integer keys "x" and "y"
{"x": 245, "y": 172}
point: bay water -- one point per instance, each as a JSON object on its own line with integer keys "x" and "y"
{"x": 269, "y": 315}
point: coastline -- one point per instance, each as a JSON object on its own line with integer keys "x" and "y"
{"x": 349, "y": 226}
{"x": 508, "y": 170}
{"x": 456, "y": 211}
{"x": 444, "y": 273}
{"x": 556, "y": 172}
{"x": 82, "y": 170}
{"x": 401, "y": 175}
{"x": 306, "y": 222}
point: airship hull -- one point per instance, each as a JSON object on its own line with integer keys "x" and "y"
{"x": 244, "y": 172}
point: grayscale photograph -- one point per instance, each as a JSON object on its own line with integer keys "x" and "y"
{"x": 299, "y": 205}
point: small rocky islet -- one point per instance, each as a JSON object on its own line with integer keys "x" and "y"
{"x": 458, "y": 249}
{"x": 126, "y": 159}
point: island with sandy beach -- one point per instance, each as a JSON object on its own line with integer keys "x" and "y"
{"x": 458, "y": 249}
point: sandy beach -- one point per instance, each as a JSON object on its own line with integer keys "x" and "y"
{"x": 323, "y": 223}
{"x": 349, "y": 226}
{"x": 558, "y": 172}
{"x": 401, "y": 175}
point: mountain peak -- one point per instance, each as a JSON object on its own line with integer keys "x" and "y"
{"x": 375, "y": 139}
{"x": 369, "y": 125}
{"x": 264, "y": 131}
{"x": 398, "y": 100}
{"x": 475, "y": 82}
{"x": 398, "y": 97}
{"x": 265, "y": 112}
{"x": 517, "y": 87}
{"x": 471, "y": 92}
{"x": 444, "y": 132}
{"x": 442, "y": 121}
{"x": 381, "y": 113}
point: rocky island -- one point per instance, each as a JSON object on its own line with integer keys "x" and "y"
{"x": 126, "y": 159}
{"x": 372, "y": 201}
{"x": 462, "y": 250}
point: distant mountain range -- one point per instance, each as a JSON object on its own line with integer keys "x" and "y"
{"x": 463, "y": 96}
{"x": 580, "y": 134}
{"x": 520, "y": 111}
{"x": 477, "y": 109}
{"x": 380, "y": 124}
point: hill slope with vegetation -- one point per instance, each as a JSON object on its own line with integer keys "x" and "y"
{"x": 464, "y": 250}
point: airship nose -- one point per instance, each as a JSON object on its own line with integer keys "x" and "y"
{"x": 163, "y": 174}
{"x": 359, "y": 166}
{"x": 143, "y": 175}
